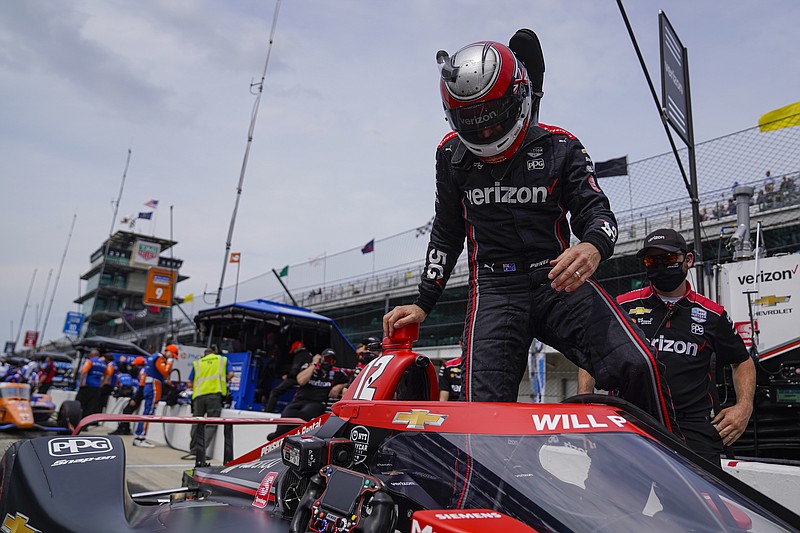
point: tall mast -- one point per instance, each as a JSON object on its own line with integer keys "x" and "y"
{"x": 58, "y": 277}
{"x": 259, "y": 90}
{"x": 24, "y": 308}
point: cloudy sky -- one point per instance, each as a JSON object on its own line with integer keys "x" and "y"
{"x": 348, "y": 123}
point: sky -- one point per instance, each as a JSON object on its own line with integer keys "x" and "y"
{"x": 349, "y": 118}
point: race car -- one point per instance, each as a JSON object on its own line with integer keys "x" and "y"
{"x": 20, "y": 409}
{"x": 391, "y": 458}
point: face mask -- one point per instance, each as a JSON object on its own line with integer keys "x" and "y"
{"x": 666, "y": 278}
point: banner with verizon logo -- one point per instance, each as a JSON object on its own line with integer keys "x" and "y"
{"x": 777, "y": 283}
{"x": 145, "y": 253}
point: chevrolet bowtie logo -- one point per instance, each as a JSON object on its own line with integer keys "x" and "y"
{"x": 639, "y": 311}
{"x": 769, "y": 301}
{"x": 17, "y": 524}
{"x": 418, "y": 419}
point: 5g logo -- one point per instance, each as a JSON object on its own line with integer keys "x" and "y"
{"x": 436, "y": 263}
{"x": 610, "y": 230}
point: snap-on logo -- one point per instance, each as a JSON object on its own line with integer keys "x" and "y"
{"x": 67, "y": 446}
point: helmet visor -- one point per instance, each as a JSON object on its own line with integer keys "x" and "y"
{"x": 486, "y": 122}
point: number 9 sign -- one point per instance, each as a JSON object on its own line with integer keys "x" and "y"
{"x": 158, "y": 291}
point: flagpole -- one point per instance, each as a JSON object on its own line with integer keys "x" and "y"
{"x": 174, "y": 278}
{"x": 24, "y": 308}
{"x": 236, "y": 289}
{"x": 278, "y": 276}
{"x": 44, "y": 297}
{"x": 155, "y": 220}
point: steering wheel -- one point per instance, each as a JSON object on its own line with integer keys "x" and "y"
{"x": 338, "y": 500}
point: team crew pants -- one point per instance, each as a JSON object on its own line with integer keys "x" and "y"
{"x": 507, "y": 310}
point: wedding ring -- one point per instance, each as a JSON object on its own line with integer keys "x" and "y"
{"x": 578, "y": 273}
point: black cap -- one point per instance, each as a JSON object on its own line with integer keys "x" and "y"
{"x": 668, "y": 240}
{"x": 328, "y": 352}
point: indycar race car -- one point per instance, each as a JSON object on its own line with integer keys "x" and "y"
{"x": 20, "y": 409}
{"x": 389, "y": 458}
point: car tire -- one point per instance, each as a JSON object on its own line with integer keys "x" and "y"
{"x": 69, "y": 414}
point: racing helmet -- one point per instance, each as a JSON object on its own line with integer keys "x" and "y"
{"x": 486, "y": 94}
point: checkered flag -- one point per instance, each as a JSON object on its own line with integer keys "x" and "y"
{"x": 426, "y": 228}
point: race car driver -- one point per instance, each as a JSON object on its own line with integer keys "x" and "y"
{"x": 156, "y": 370}
{"x": 505, "y": 182}
{"x": 689, "y": 330}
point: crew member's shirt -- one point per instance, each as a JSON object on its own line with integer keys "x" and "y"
{"x": 320, "y": 384}
{"x": 450, "y": 378}
{"x": 686, "y": 335}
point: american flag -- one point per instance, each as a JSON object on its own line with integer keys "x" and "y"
{"x": 152, "y": 204}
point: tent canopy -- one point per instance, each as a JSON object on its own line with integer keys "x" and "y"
{"x": 249, "y": 321}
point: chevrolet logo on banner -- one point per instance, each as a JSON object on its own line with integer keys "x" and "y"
{"x": 771, "y": 300}
{"x": 418, "y": 419}
{"x": 639, "y": 311}
{"x": 17, "y": 524}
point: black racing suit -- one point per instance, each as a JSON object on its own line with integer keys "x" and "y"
{"x": 688, "y": 334}
{"x": 514, "y": 218}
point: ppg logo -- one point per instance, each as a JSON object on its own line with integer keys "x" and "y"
{"x": 67, "y": 446}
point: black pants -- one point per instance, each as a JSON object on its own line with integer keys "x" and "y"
{"x": 701, "y": 437}
{"x": 124, "y": 428}
{"x": 275, "y": 393}
{"x": 304, "y": 409}
{"x": 506, "y": 311}
{"x": 205, "y": 405}
{"x": 89, "y": 398}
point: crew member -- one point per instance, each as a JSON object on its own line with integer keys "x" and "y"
{"x": 506, "y": 183}
{"x": 109, "y": 382}
{"x": 156, "y": 372}
{"x": 209, "y": 381}
{"x": 318, "y": 381}
{"x": 301, "y": 357}
{"x": 450, "y": 377}
{"x": 689, "y": 331}
{"x": 46, "y": 375}
{"x": 137, "y": 393}
{"x": 91, "y": 379}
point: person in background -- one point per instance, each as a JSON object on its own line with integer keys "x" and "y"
{"x": 156, "y": 372}
{"x": 209, "y": 381}
{"x": 46, "y": 375}
{"x": 318, "y": 381}
{"x": 137, "y": 378}
{"x": 91, "y": 379}
{"x": 109, "y": 380}
{"x": 301, "y": 358}
{"x": 690, "y": 332}
{"x": 537, "y": 370}
{"x": 450, "y": 377}
{"x": 369, "y": 350}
